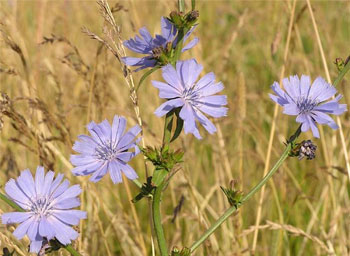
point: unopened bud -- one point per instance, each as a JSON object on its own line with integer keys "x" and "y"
{"x": 307, "y": 149}
{"x": 157, "y": 51}
{"x": 193, "y": 15}
{"x": 176, "y": 18}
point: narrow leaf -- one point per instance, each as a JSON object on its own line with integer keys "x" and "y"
{"x": 179, "y": 125}
{"x": 145, "y": 75}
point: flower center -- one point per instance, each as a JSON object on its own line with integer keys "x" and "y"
{"x": 190, "y": 95}
{"x": 306, "y": 104}
{"x": 106, "y": 152}
{"x": 41, "y": 206}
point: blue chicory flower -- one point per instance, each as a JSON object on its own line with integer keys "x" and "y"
{"x": 306, "y": 102}
{"x": 106, "y": 151}
{"x": 182, "y": 91}
{"x": 146, "y": 44}
{"x": 48, "y": 207}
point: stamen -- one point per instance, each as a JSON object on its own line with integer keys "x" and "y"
{"x": 41, "y": 206}
{"x": 106, "y": 151}
{"x": 306, "y": 105}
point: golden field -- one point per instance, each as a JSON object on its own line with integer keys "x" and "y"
{"x": 58, "y": 79}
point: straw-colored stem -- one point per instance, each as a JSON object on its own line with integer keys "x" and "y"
{"x": 273, "y": 127}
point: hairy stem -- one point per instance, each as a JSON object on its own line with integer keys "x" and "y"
{"x": 234, "y": 208}
{"x": 157, "y": 219}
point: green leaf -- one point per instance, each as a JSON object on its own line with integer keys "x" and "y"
{"x": 145, "y": 75}
{"x": 146, "y": 190}
{"x": 184, "y": 252}
{"x": 159, "y": 176}
{"x": 234, "y": 197}
{"x": 179, "y": 125}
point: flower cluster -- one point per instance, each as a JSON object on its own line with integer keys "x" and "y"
{"x": 47, "y": 205}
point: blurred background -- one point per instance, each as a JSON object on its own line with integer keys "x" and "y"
{"x": 57, "y": 79}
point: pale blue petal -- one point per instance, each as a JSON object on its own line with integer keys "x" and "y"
{"x": 168, "y": 106}
{"x": 61, "y": 189}
{"x": 218, "y": 100}
{"x": 39, "y": 179}
{"x": 187, "y": 114}
{"x": 87, "y": 169}
{"x": 46, "y": 229}
{"x": 22, "y": 228}
{"x": 127, "y": 170}
{"x": 98, "y": 174}
{"x": 78, "y": 160}
{"x": 291, "y": 109}
{"x": 191, "y": 44}
{"x": 292, "y": 86}
{"x": 71, "y": 192}
{"x": 26, "y": 183}
{"x": 168, "y": 29}
{"x": 115, "y": 172}
{"x": 129, "y": 136}
{"x": 171, "y": 77}
{"x": 188, "y": 71}
{"x": 68, "y": 203}
{"x": 48, "y": 182}
{"x": 118, "y": 128}
{"x": 71, "y": 217}
{"x": 304, "y": 85}
{"x": 166, "y": 91}
{"x": 214, "y": 111}
{"x": 211, "y": 89}
{"x": 15, "y": 217}
{"x": 64, "y": 233}
{"x": 314, "y": 128}
{"x": 35, "y": 245}
{"x": 323, "y": 118}
{"x": 321, "y": 90}
{"x": 207, "y": 124}
{"x": 33, "y": 230}
{"x": 16, "y": 194}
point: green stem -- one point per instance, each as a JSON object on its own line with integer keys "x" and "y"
{"x": 11, "y": 203}
{"x": 234, "y": 208}
{"x": 157, "y": 220}
{"x": 341, "y": 74}
{"x": 68, "y": 247}
{"x": 157, "y": 194}
{"x": 181, "y": 5}
{"x": 283, "y": 157}
{"x": 179, "y": 44}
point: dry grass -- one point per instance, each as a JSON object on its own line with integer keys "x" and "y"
{"x": 56, "y": 74}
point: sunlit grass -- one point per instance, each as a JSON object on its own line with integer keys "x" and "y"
{"x": 243, "y": 43}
